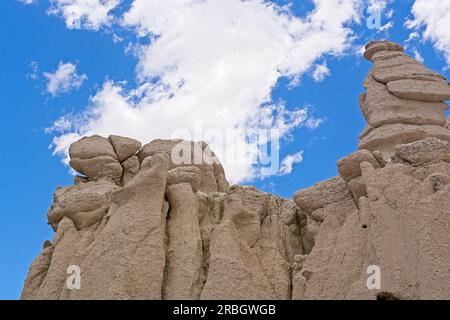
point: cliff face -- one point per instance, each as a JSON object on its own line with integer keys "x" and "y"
{"x": 140, "y": 225}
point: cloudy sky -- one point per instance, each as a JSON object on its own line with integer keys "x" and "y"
{"x": 158, "y": 69}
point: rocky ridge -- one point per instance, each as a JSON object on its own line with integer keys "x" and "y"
{"x": 141, "y": 225}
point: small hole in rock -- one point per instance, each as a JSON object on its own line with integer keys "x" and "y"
{"x": 386, "y": 296}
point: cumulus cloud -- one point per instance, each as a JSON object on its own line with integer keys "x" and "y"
{"x": 432, "y": 21}
{"x": 289, "y": 161}
{"x": 320, "y": 72}
{"x": 212, "y": 65}
{"x": 88, "y": 14}
{"x": 64, "y": 79}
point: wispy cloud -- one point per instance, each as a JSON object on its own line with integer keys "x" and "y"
{"x": 27, "y": 1}
{"x": 87, "y": 14}
{"x": 321, "y": 71}
{"x": 289, "y": 161}
{"x": 33, "y": 74}
{"x": 64, "y": 79}
{"x": 431, "y": 20}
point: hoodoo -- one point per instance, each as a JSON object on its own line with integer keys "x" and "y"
{"x": 140, "y": 225}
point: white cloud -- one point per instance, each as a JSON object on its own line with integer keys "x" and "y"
{"x": 289, "y": 161}
{"x": 88, "y": 14}
{"x": 418, "y": 56}
{"x": 432, "y": 20}
{"x": 214, "y": 64}
{"x": 64, "y": 79}
{"x": 320, "y": 72}
{"x": 28, "y": 1}
{"x": 33, "y": 73}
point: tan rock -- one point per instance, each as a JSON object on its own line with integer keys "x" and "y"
{"x": 395, "y": 61}
{"x": 83, "y": 204}
{"x": 405, "y": 71}
{"x": 190, "y": 175}
{"x": 99, "y": 168}
{"x": 131, "y": 168}
{"x": 162, "y": 231}
{"x": 91, "y": 147}
{"x": 386, "y": 137}
{"x": 55, "y": 281}
{"x": 124, "y": 147}
{"x": 431, "y": 91}
{"x": 380, "y": 107}
{"x": 131, "y": 249}
{"x": 37, "y": 273}
{"x": 322, "y": 194}
{"x": 424, "y": 151}
{"x": 184, "y": 255}
{"x": 376, "y": 46}
{"x": 357, "y": 187}
{"x": 349, "y": 167}
{"x": 382, "y": 55}
{"x": 188, "y": 153}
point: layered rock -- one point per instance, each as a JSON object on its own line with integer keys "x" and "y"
{"x": 161, "y": 222}
{"x": 165, "y": 230}
{"x": 404, "y": 100}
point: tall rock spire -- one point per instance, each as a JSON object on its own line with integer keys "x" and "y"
{"x": 404, "y": 100}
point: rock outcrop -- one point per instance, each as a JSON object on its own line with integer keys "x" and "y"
{"x": 404, "y": 100}
{"x": 160, "y": 221}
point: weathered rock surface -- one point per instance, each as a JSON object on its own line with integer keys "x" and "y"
{"x": 421, "y": 90}
{"x": 379, "y": 46}
{"x": 124, "y": 147}
{"x": 380, "y": 107}
{"x": 161, "y": 222}
{"x": 91, "y": 147}
{"x": 386, "y": 137}
{"x": 424, "y": 151}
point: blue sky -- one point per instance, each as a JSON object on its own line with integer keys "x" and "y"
{"x": 141, "y": 70}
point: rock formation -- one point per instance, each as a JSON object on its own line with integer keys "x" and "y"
{"x": 161, "y": 222}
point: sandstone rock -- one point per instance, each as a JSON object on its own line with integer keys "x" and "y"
{"x": 83, "y": 204}
{"x": 99, "y": 168}
{"x": 357, "y": 187}
{"x": 349, "y": 167}
{"x": 37, "y": 273}
{"x": 124, "y": 147}
{"x": 395, "y": 61}
{"x": 131, "y": 168}
{"x": 54, "y": 283}
{"x": 424, "y": 151}
{"x": 431, "y": 91}
{"x": 406, "y": 71}
{"x": 184, "y": 256}
{"x": 91, "y": 147}
{"x": 188, "y": 153}
{"x": 376, "y": 46}
{"x": 380, "y": 107}
{"x": 162, "y": 231}
{"x": 383, "y": 55}
{"x": 131, "y": 249}
{"x": 190, "y": 175}
{"x": 80, "y": 179}
{"x": 250, "y": 250}
{"x": 321, "y": 194}
{"x": 366, "y": 131}
{"x": 386, "y": 137}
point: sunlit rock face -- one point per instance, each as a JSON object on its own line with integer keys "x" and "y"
{"x": 137, "y": 224}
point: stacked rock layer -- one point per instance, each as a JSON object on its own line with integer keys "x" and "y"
{"x": 404, "y": 100}
{"x": 161, "y": 222}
